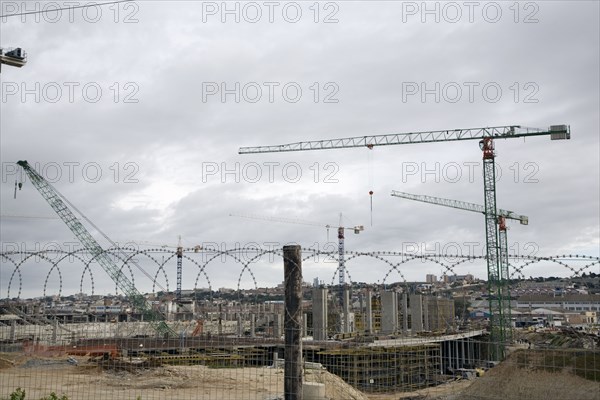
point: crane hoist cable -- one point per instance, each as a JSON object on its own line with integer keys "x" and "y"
{"x": 371, "y": 179}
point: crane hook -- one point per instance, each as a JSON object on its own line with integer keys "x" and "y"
{"x": 371, "y": 198}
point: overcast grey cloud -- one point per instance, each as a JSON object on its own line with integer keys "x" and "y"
{"x": 133, "y": 112}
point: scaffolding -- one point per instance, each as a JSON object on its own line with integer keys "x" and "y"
{"x": 386, "y": 369}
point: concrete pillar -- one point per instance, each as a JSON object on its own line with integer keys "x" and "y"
{"x": 54, "y": 331}
{"x": 405, "y": 313}
{"x": 13, "y": 330}
{"x": 416, "y": 313}
{"x": 220, "y": 326}
{"x": 427, "y": 302}
{"x": 252, "y": 325}
{"x": 456, "y": 355}
{"x": 389, "y": 313}
{"x": 369, "y": 312}
{"x": 346, "y": 310}
{"x": 319, "y": 308}
{"x": 470, "y": 356}
{"x": 441, "y": 358}
{"x": 277, "y": 325}
{"x": 240, "y": 325}
{"x": 305, "y": 325}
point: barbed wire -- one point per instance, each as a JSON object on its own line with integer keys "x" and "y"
{"x": 247, "y": 256}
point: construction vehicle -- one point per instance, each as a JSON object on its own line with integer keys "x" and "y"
{"x": 58, "y": 204}
{"x": 486, "y": 137}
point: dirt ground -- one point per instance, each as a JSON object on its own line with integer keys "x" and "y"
{"x": 41, "y": 376}
{"x": 507, "y": 382}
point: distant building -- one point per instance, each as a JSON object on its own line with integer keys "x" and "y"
{"x": 460, "y": 278}
{"x": 430, "y": 278}
{"x": 591, "y": 317}
{"x": 570, "y": 302}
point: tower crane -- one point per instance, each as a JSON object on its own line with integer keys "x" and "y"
{"x": 503, "y": 278}
{"x": 345, "y": 325}
{"x": 179, "y": 270}
{"x": 340, "y": 230}
{"x": 486, "y": 137}
{"x": 179, "y": 255}
{"x": 57, "y": 202}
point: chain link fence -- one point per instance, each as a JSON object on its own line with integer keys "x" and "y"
{"x": 364, "y": 341}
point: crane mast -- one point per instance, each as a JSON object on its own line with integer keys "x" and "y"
{"x": 54, "y": 199}
{"x": 504, "y": 284}
{"x": 341, "y": 267}
{"x": 486, "y": 135}
{"x": 179, "y": 270}
{"x": 496, "y": 290}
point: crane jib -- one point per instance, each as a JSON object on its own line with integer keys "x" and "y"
{"x": 499, "y": 132}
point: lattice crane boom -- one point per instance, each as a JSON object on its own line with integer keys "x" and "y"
{"x": 461, "y": 205}
{"x": 55, "y": 200}
{"x": 356, "y": 228}
{"x": 496, "y": 132}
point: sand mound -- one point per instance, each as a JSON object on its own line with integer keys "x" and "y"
{"x": 510, "y": 381}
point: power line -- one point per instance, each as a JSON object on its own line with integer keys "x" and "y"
{"x": 26, "y": 216}
{"x": 66, "y": 8}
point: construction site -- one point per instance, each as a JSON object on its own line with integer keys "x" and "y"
{"x": 324, "y": 340}
{"x": 247, "y": 348}
{"x": 300, "y": 200}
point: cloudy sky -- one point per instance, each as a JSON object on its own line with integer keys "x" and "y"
{"x": 135, "y": 112}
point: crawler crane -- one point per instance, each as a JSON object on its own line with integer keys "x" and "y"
{"x": 58, "y": 204}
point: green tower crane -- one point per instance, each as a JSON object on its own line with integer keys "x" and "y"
{"x": 486, "y": 137}
{"x": 55, "y": 199}
{"x": 499, "y": 303}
